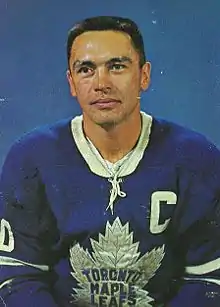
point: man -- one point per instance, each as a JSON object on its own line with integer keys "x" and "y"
{"x": 114, "y": 207}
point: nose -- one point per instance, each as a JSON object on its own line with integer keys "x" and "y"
{"x": 102, "y": 82}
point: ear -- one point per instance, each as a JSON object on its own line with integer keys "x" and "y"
{"x": 145, "y": 76}
{"x": 71, "y": 83}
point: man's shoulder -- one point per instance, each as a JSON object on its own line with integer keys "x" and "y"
{"x": 179, "y": 133}
{"x": 189, "y": 145}
{"x": 48, "y": 131}
{"x": 42, "y": 139}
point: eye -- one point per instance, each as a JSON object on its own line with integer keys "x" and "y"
{"x": 117, "y": 66}
{"x": 85, "y": 70}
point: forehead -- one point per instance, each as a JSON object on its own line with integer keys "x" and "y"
{"x": 101, "y": 45}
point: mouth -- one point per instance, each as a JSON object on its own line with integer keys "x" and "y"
{"x": 105, "y": 103}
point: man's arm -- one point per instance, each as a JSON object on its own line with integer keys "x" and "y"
{"x": 201, "y": 281}
{"x": 27, "y": 232}
{"x": 196, "y": 226}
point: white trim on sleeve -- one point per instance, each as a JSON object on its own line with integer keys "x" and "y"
{"x": 16, "y": 262}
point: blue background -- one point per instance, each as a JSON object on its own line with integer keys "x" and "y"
{"x": 182, "y": 40}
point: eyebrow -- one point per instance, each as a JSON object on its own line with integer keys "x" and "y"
{"x": 120, "y": 59}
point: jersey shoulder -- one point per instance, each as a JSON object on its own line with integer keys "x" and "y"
{"x": 46, "y": 133}
{"x": 188, "y": 147}
{"x": 40, "y": 144}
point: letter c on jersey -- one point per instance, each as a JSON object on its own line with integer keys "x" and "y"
{"x": 9, "y": 245}
{"x": 156, "y": 198}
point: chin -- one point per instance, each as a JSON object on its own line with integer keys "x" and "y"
{"x": 108, "y": 123}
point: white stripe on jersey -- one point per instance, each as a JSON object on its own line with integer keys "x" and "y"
{"x": 203, "y": 268}
{"x": 16, "y": 262}
{"x": 6, "y": 282}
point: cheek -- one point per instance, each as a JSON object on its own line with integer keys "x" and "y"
{"x": 136, "y": 80}
{"x": 83, "y": 87}
{"x": 129, "y": 84}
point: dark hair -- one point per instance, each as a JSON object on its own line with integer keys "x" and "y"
{"x": 102, "y": 23}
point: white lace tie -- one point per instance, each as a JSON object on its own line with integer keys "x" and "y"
{"x": 115, "y": 191}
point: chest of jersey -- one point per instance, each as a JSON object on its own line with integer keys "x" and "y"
{"x": 79, "y": 199}
{"x": 108, "y": 253}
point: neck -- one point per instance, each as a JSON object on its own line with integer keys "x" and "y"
{"x": 113, "y": 144}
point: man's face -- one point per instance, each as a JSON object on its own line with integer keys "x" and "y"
{"x": 106, "y": 77}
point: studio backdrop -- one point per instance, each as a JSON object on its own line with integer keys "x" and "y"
{"x": 182, "y": 41}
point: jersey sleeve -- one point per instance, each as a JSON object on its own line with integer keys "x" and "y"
{"x": 197, "y": 228}
{"x": 200, "y": 284}
{"x": 27, "y": 234}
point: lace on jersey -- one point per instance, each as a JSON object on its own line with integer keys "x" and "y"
{"x": 114, "y": 170}
{"x": 115, "y": 191}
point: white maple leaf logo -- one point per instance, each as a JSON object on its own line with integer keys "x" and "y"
{"x": 115, "y": 271}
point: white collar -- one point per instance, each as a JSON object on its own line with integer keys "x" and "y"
{"x": 94, "y": 162}
{"x": 97, "y": 164}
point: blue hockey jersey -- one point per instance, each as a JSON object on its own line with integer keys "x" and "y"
{"x": 143, "y": 232}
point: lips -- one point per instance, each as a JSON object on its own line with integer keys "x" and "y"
{"x": 106, "y": 103}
